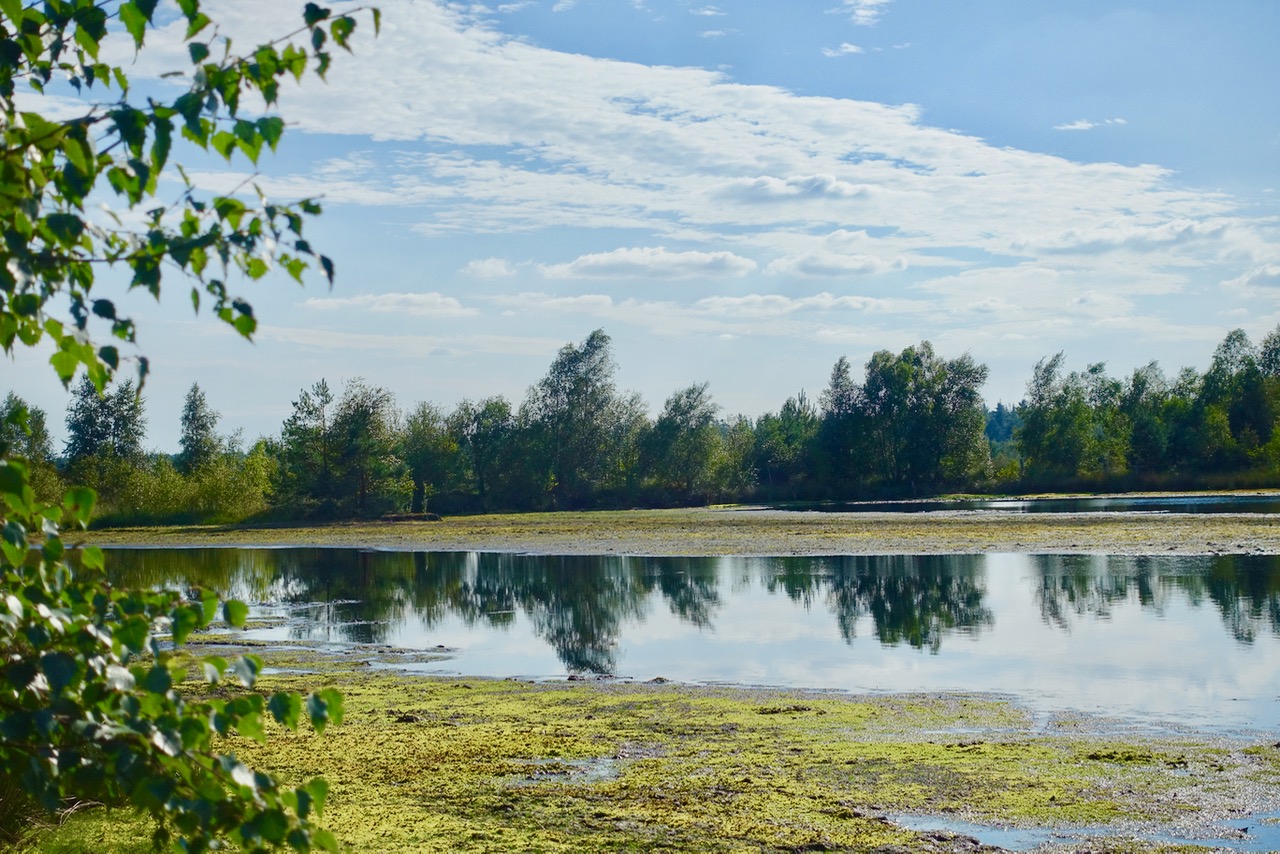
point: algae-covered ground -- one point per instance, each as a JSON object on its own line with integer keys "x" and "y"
{"x": 430, "y": 764}
{"x": 742, "y": 531}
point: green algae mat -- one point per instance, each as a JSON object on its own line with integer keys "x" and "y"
{"x": 431, "y": 764}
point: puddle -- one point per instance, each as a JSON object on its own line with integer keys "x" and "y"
{"x": 1008, "y": 838}
{"x": 585, "y": 771}
{"x": 1260, "y": 832}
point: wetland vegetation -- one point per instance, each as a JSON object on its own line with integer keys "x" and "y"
{"x": 423, "y": 764}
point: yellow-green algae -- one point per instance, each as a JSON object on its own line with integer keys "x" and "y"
{"x": 430, "y": 764}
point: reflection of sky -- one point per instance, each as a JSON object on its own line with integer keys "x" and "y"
{"x": 1175, "y": 663}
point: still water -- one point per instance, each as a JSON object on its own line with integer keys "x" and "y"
{"x": 1260, "y": 503}
{"x": 1191, "y": 640}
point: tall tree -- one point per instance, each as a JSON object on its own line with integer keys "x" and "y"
{"x": 307, "y": 449}
{"x": 483, "y": 431}
{"x": 198, "y": 437}
{"x": 573, "y": 411}
{"x": 372, "y": 478}
{"x": 1234, "y": 392}
{"x": 784, "y": 445}
{"x": 683, "y": 441}
{"x": 840, "y": 433}
{"x": 105, "y": 427}
{"x": 925, "y": 416}
{"x": 430, "y": 450}
{"x": 24, "y": 434}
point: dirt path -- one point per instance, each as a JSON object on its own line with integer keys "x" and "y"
{"x": 761, "y": 532}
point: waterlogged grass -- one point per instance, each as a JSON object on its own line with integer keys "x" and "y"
{"x": 727, "y": 531}
{"x": 426, "y": 764}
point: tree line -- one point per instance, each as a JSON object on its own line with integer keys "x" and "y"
{"x": 914, "y": 425}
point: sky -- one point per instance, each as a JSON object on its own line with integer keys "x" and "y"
{"x": 740, "y": 193}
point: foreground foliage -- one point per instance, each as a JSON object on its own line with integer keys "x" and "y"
{"x": 90, "y": 708}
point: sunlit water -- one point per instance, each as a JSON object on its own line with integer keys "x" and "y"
{"x": 1234, "y": 503}
{"x": 1190, "y": 640}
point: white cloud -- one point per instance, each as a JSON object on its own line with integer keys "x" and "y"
{"x": 1086, "y": 124}
{"x": 833, "y": 264}
{"x": 769, "y": 189}
{"x": 651, "y": 263}
{"x": 712, "y": 34}
{"x": 489, "y": 268}
{"x": 825, "y": 315}
{"x": 706, "y": 11}
{"x": 429, "y": 304}
{"x": 1117, "y": 234}
{"x": 525, "y": 139}
{"x": 1257, "y": 281}
{"x": 508, "y": 8}
{"x": 864, "y": 13}
{"x": 775, "y": 305}
{"x": 844, "y": 50}
{"x": 410, "y": 345}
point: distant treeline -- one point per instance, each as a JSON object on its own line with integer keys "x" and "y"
{"x": 915, "y": 425}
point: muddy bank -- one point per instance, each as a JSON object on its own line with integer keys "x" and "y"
{"x": 429, "y": 764}
{"x": 696, "y": 532}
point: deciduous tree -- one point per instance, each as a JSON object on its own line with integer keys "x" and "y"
{"x": 89, "y": 704}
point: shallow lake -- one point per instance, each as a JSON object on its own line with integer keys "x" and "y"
{"x": 1192, "y": 640}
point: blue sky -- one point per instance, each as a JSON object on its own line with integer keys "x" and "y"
{"x": 742, "y": 192}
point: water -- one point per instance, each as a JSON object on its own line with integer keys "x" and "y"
{"x": 1185, "y": 640}
{"x": 1265, "y": 503}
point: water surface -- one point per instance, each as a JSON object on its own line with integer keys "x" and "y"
{"x": 1267, "y": 503}
{"x": 1155, "y": 639}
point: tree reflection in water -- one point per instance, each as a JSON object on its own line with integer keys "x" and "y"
{"x": 580, "y": 605}
{"x": 912, "y": 599}
{"x": 1245, "y": 589}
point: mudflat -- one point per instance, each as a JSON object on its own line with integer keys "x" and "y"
{"x": 749, "y": 531}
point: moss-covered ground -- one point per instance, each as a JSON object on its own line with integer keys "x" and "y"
{"x": 430, "y": 764}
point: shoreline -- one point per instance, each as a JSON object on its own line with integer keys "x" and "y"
{"x": 701, "y": 532}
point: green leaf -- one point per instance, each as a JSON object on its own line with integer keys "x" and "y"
{"x": 235, "y": 612}
{"x": 341, "y": 30}
{"x": 324, "y": 707}
{"x": 246, "y": 669}
{"x": 313, "y": 14}
{"x": 158, "y": 680}
{"x": 286, "y": 708}
{"x": 91, "y": 558}
{"x": 199, "y": 52}
{"x": 12, "y": 478}
{"x": 134, "y": 20}
{"x": 60, "y": 669}
{"x": 224, "y": 143}
{"x": 67, "y": 228}
{"x": 132, "y": 634}
{"x": 78, "y": 502}
{"x": 318, "y": 790}
{"x": 271, "y": 128}
{"x": 184, "y": 621}
{"x": 214, "y": 666}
